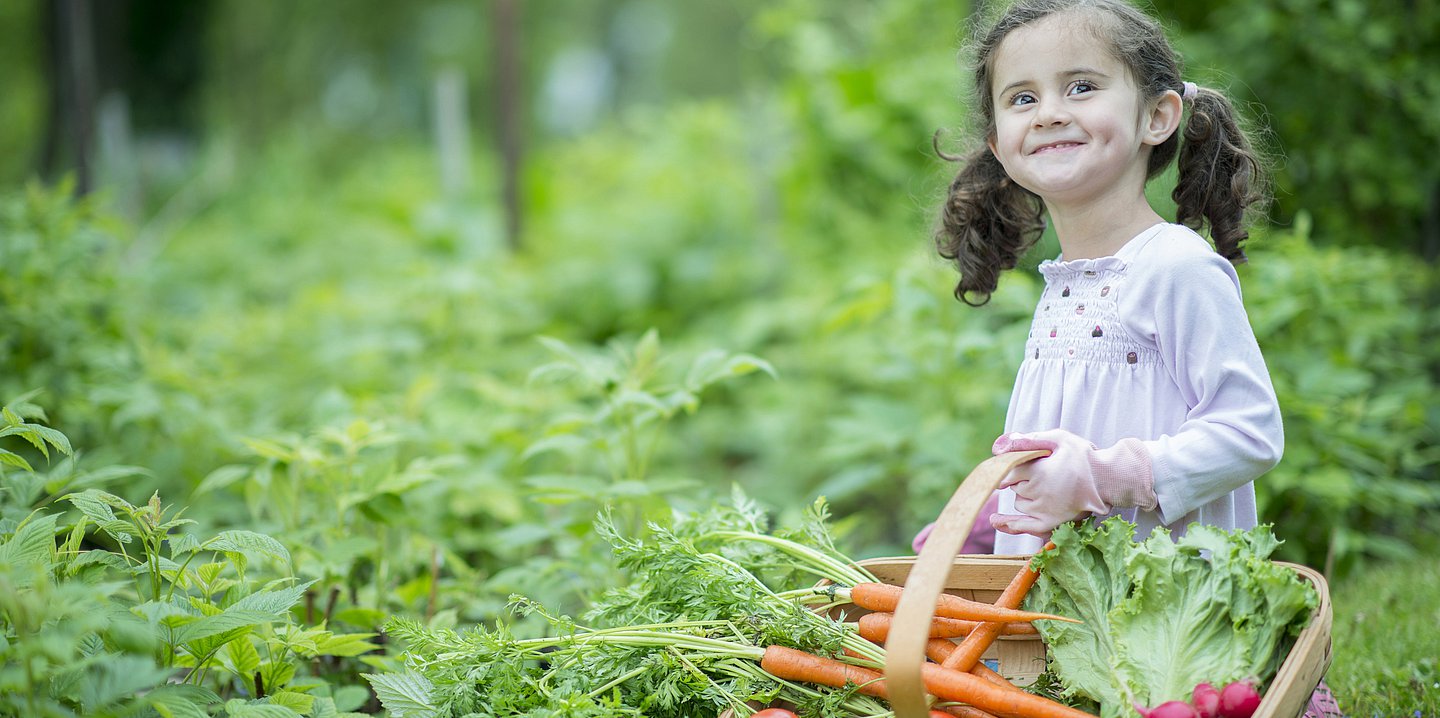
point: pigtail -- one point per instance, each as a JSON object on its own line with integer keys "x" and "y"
{"x": 1220, "y": 174}
{"x": 986, "y": 224}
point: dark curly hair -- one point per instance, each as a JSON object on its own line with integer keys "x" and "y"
{"x": 988, "y": 222}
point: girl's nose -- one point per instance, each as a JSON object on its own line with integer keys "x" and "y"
{"x": 1051, "y": 112}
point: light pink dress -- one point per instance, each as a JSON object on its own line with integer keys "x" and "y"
{"x": 1153, "y": 343}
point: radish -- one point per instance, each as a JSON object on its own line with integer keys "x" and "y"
{"x": 1239, "y": 700}
{"x": 1168, "y": 709}
{"x": 1206, "y": 699}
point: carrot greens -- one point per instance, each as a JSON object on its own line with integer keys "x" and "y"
{"x": 685, "y": 636}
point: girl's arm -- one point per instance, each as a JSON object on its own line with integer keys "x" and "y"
{"x": 1190, "y": 307}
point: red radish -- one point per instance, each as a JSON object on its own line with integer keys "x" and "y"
{"x": 773, "y": 713}
{"x": 1239, "y": 700}
{"x": 1168, "y": 709}
{"x": 1206, "y": 699}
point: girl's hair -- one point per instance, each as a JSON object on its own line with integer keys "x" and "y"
{"x": 988, "y": 222}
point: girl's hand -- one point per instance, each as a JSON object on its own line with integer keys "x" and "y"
{"x": 1076, "y": 480}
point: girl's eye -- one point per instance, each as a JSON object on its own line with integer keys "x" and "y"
{"x": 1081, "y": 86}
{"x": 1021, "y": 98}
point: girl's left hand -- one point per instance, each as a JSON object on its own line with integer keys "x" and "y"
{"x": 1075, "y": 480}
{"x": 1051, "y": 490}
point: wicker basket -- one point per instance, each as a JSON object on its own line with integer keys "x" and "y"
{"x": 1022, "y": 658}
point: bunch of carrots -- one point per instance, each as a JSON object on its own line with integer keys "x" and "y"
{"x": 955, "y": 675}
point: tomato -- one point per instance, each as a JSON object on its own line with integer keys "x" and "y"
{"x": 774, "y": 713}
{"x": 940, "y": 714}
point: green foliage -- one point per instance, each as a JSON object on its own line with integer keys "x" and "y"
{"x": 709, "y": 615}
{"x": 131, "y": 615}
{"x": 1348, "y": 334}
{"x": 60, "y": 299}
{"x": 1356, "y": 169}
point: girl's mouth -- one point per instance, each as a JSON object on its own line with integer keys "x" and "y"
{"x": 1055, "y": 147}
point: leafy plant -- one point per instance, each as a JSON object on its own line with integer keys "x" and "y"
{"x": 129, "y": 613}
{"x": 1362, "y": 448}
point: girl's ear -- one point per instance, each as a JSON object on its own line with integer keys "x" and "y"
{"x": 1164, "y": 118}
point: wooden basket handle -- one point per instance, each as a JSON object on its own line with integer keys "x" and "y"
{"x": 905, "y": 648}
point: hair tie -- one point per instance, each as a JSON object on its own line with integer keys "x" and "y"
{"x": 1190, "y": 91}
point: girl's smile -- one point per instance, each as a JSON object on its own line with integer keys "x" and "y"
{"x": 1056, "y": 147}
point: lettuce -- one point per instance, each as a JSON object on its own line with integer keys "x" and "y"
{"x": 1161, "y": 616}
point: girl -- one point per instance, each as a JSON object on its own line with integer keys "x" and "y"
{"x": 1141, "y": 373}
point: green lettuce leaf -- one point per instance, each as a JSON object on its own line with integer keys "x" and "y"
{"x": 1161, "y": 616}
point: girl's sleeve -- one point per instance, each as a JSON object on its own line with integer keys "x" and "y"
{"x": 1190, "y": 308}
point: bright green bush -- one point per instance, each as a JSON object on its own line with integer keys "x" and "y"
{"x": 1348, "y": 333}
{"x": 135, "y": 613}
{"x": 63, "y": 319}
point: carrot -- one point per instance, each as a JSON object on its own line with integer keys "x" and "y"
{"x": 938, "y": 649}
{"x": 943, "y": 683}
{"x": 967, "y": 712}
{"x": 876, "y": 627}
{"x": 952, "y": 685}
{"x": 793, "y": 665}
{"x": 975, "y": 644}
{"x": 884, "y": 597}
{"x": 991, "y": 675}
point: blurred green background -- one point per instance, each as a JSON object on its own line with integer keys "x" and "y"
{"x": 417, "y": 288}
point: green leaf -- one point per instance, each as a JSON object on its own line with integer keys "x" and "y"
{"x": 53, "y": 437}
{"x": 238, "y": 541}
{"x": 14, "y": 459}
{"x": 32, "y": 543}
{"x": 181, "y": 701}
{"x": 273, "y": 602}
{"x": 351, "y": 698}
{"x": 324, "y": 707}
{"x": 346, "y": 644}
{"x": 97, "y": 556}
{"x": 221, "y": 478}
{"x": 197, "y": 629}
{"x": 405, "y": 694}
{"x": 359, "y": 616}
{"x": 98, "y": 506}
{"x": 298, "y": 702}
{"x": 117, "y": 678}
{"x": 243, "y": 658}
{"x": 239, "y": 708}
{"x": 183, "y": 544}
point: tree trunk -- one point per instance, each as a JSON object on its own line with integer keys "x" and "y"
{"x": 69, "y": 132}
{"x": 505, "y": 27}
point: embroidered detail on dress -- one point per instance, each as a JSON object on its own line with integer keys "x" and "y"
{"x": 1037, "y": 353}
{"x": 1052, "y": 332}
{"x": 1097, "y": 332}
{"x": 1066, "y": 292}
{"x": 1090, "y": 272}
{"x": 1105, "y": 290}
{"x": 1079, "y": 308}
{"x": 1070, "y": 351}
{"x": 1130, "y": 358}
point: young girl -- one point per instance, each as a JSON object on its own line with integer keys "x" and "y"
{"x": 1141, "y": 373}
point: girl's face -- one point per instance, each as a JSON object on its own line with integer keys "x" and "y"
{"x": 1070, "y": 124}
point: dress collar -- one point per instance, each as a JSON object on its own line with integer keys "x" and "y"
{"x": 1115, "y": 262}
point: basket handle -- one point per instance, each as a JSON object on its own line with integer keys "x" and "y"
{"x": 905, "y": 648}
